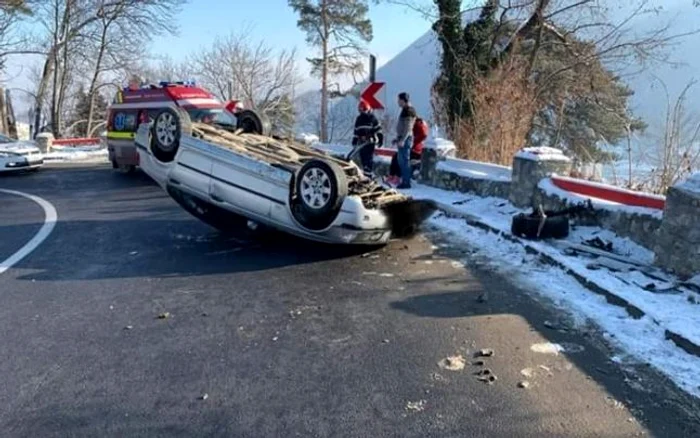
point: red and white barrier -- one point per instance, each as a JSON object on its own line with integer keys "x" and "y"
{"x": 384, "y": 152}
{"x": 610, "y": 193}
{"x": 76, "y": 141}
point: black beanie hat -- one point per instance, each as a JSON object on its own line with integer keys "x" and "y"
{"x": 404, "y": 96}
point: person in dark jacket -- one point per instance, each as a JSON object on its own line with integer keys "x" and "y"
{"x": 404, "y": 138}
{"x": 368, "y": 132}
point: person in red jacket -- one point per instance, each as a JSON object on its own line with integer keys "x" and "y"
{"x": 420, "y": 134}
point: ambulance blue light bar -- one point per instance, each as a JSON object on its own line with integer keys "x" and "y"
{"x": 190, "y": 83}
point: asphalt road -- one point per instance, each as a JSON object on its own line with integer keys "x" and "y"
{"x": 284, "y": 337}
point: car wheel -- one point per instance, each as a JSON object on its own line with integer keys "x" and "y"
{"x": 217, "y": 217}
{"x": 251, "y": 122}
{"x": 125, "y": 169}
{"x": 168, "y": 127}
{"x": 528, "y": 226}
{"x": 320, "y": 187}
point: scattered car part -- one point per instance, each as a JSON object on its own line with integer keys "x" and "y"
{"x": 540, "y": 225}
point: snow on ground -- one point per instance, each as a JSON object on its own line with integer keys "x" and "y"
{"x": 541, "y": 153}
{"x": 475, "y": 169}
{"x": 91, "y": 154}
{"x": 337, "y": 150}
{"x": 642, "y": 340}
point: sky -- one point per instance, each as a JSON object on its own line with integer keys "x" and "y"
{"x": 200, "y": 22}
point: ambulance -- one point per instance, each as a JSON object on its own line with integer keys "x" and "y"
{"x": 139, "y": 103}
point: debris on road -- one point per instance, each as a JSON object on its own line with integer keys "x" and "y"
{"x": 479, "y": 363}
{"x": 550, "y": 325}
{"x": 527, "y": 372}
{"x": 487, "y": 378}
{"x": 484, "y": 297}
{"x": 128, "y": 327}
{"x": 133, "y": 253}
{"x": 524, "y": 384}
{"x": 485, "y": 352}
{"x": 452, "y": 363}
{"x": 164, "y": 315}
{"x": 417, "y": 406}
{"x": 386, "y": 341}
{"x": 204, "y": 396}
{"x": 547, "y": 348}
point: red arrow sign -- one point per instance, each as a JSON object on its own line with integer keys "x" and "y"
{"x": 368, "y": 95}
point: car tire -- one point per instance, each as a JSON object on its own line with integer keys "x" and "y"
{"x": 212, "y": 215}
{"x": 250, "y": 122}
{"x": 125, "y": 169}
{"x": 166, "y": 132}
{"x": 320, "y": 187}
{"x": 527, "y": 226}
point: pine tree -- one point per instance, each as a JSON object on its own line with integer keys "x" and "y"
{"x": 337, "y": 28}
{"x": 79, "y": 115}
{"x": 465, "y": 54}
{"x": 282, "y": 117}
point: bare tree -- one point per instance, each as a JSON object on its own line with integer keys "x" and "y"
{"x": 678, "y": 152}
{"x": 337, "y": 28}
{"x": 235, "y": 67}
{"x": 120, "y": 26}
{"x": 12, "y": 40}
{"x": 77, "y": 22}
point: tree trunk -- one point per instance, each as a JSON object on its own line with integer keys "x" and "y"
{"x": 63, "y": 88}
{"x": 93, "y": 82}
{"x": 3, "y": 114}
{"x": 49, "y": 65}
{"x": 324, "y": 75}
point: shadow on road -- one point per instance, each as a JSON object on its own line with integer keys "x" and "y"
{"x": 93, "y": 250}
{"x": 122, "y": 226}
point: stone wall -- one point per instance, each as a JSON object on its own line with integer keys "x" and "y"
{"x": 638, "y": 224}
{"x": 447, "y": 180}
{"x": 678, "y": 244}
{"x": 528, "y": 188}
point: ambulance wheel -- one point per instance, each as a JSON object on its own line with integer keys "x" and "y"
{"x": 169, "y": 125}
{"x": 251, "y": 122}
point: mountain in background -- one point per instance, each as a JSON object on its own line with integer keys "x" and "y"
{"x": 413, "y": 70}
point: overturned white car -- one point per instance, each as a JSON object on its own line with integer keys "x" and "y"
{"x": 224, "y": 171}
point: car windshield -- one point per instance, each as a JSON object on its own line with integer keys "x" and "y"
{"x": 217, "y": 116}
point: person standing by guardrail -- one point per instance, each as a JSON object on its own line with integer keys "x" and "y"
{"x": 404, "y": 138}
{"x": 367, "y": 135}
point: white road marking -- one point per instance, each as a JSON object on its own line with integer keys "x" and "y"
{"x": 50, "y": 218}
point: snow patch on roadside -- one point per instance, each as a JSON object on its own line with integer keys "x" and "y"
{"x": 639, "y": 340}
{"x": 91, "y": 154}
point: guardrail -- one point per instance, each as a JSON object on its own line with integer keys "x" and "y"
{"x": 76, "y": 141}
{"x": 610, "y": 193}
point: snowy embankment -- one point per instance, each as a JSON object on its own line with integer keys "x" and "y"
{"x": 638, "y": 340}
{"x": 475, "y": 169}
{"x": 86, "y": 154}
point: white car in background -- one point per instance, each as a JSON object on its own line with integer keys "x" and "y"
{"x": 18, "y": 155}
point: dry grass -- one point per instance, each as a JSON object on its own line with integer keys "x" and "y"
{"x": 504, "y": 107}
